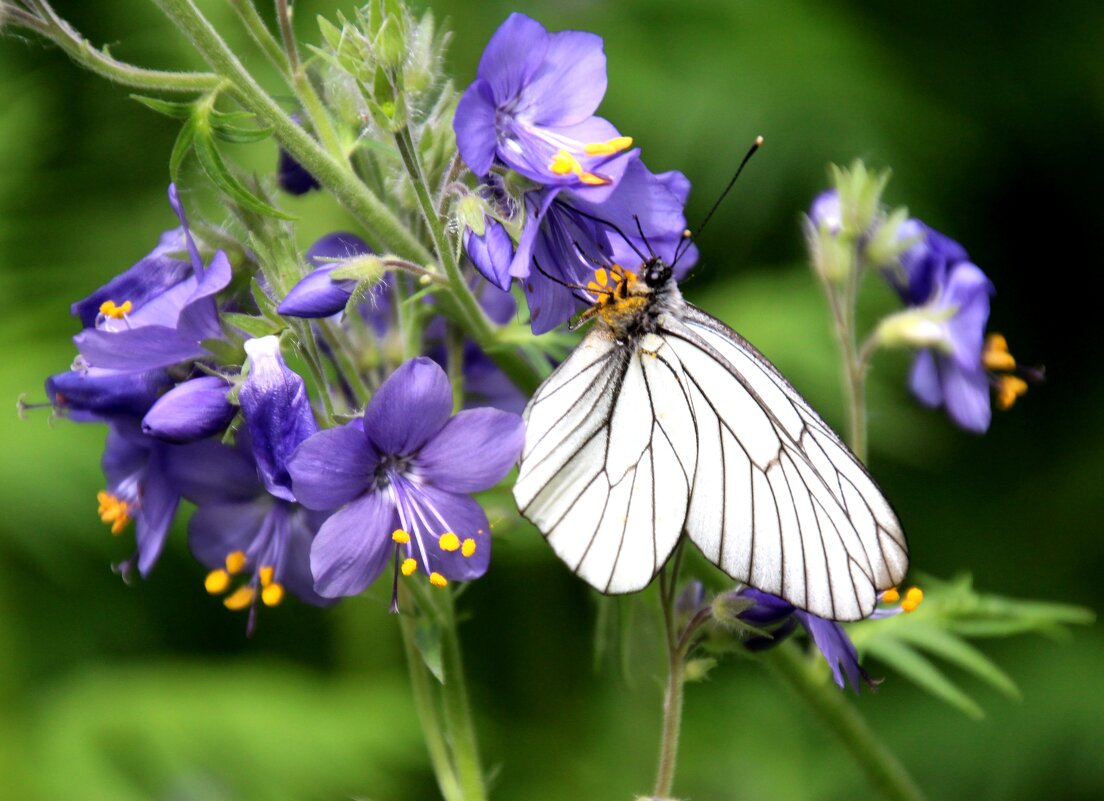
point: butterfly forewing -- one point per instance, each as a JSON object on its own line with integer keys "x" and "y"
{"x": 609, "y": 460}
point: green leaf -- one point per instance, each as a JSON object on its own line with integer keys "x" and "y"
{"x": 218, "y": 172}
{"x": 265, "y": 304}
{"x": 236, "y": 135}
{"x": 178, "y": 110}
{"x": 941, "y": 643}
{"x": 180, "y": 148}
{"x": 920, "y": 670}
{"x": 427, "y": 637}
{"x": 254, "y": 326}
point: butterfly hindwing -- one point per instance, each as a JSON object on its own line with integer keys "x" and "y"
{"x": 778, "y": 501}
{"x": 609, "y": 460}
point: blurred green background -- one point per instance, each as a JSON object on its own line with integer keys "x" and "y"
{"x": 992, "y": 118}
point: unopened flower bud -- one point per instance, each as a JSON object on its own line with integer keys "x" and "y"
{"x": 191, "y": 411}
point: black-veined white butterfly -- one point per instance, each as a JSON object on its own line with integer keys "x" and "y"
{"x": 663, "y": 421}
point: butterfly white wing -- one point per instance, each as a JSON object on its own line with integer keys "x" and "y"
{"x": 609, "y": 459}
{"x": 778, "y": 501}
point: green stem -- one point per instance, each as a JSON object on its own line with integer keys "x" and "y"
{"x": 260, "y": 34}
{"x": 471, "y": 316}
{"x": 381, "y": 227}
{"x": 672, "y": 696}
{"x": 458, "y": 717}
{"x": 421, "y": 684}
{"x": 878, "y": 762}
{"x": 65, "y": 36}
{"x": 314, "y": 363}
{"x": 346, "y": 363}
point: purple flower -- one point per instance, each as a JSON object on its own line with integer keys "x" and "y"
{"x": 92, "y": 394}
{"x": 138, "y": 488}
{"x": 567, "y": 237}
{"x": 158, "y": 312}
{"x": 192, "y": 410}
{"x": 532, "y": 107}
{"x": 248, "y": 523}
{"x": 779, "y": 618}
{"x": 401, "y": 478}
{"x": 491, "y": 252}
{"x": 320, "y": 295}
{"x": 937, "y": 275}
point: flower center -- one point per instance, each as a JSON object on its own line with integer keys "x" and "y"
{"x": 113, "y": 511}
{"x": 116, "y": 312}
{"x": 218, "y": 581}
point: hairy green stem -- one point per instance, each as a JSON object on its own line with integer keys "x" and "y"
{"x": 869, "y": 751}
{"x": 260, "y": 34}
{"x": 421, "y": 684}
{"x": 466, "y": 307}
{"x": 672, "y": 696}
{"x": 381, "y": 227}
{"x": 65, "y": 36}
{"x": 465, "y": 749}
{"x": 346, "y": 363}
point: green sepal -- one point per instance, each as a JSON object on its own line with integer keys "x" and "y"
{"x": 178, "y": 110}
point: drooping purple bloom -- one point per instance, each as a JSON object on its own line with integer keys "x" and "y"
{"x": 938, "y": 275}
{"x": 157, "y": 313}
{"x": 192, "y": 410}
{"x": 491, "y": 252}
{"x": 136, "y": 469}
{"x": 89, "y": 394}
{"x": 318, "y": 294}
{"x": 401, "y": 478}
{"x": 778, "y": 619}
{"x": 567, "y": 237}
{"x": 248, "y": 523}
{"x": 532, "y": 108}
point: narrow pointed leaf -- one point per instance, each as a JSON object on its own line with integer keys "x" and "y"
{"x": 170, "y": 108}
{"x": 180, "y": 149}
{"x": 218, "y": 172}
{"x": 941, "y": 643}
{"x": 919, "y": 670}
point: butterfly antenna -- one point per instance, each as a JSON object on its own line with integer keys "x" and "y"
{"x": 640, "y": 229}
{"x": 747, "y": 157}
{"x": 613, "y": 228}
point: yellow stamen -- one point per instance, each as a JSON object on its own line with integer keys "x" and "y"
{"x": 437, "y": 580}
{"x": 113, "y": 511}
{"x": 273, "y": 594}
{"x": 468, "y": 548}
{"x": 266, "y": 574}
{"x": 235, "y": 561}
{"x": 109, "y": 309}
{"x": 608, "y": 148}
{"x": 217, "y": 581}
{"x": 563, "y": 163}
{"x": 601, "y": 276}
{"x": 408, "y": 567}
{"x": 912, "y": 599}
{"x": 400, "y": 536}
{"x": 239, "y": 598}
{"x": 1009, "y": 387}
{"x": 449, "y": 541}
{"x": 996, "y": 355}
{"x": 891, "y": 596}
{"x": 591, "y": 179}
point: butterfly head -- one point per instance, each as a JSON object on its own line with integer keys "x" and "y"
{"x": 656, "y": 272}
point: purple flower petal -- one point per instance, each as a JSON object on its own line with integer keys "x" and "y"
{"x": 353, "y": 546}
{"x": 193, "y": 251}
{"x": 491, "y": 253}
{"x": 474, "y": 451}
{"x": 837, "y": 648}
{"x": 968, "y": 289}
{"x": 410, "y": 407}
{"x": 293, "y": 177}
{"x": 137, "y": 349}
{"x": 218, "y": 529}
{"x": 277, "y": 410}
{"x": 149, "y": 278}
{"x": 159, "y": 500}
{"x": 924, "y": 379}
{"x": 106, "y": 393}
{"x": 513, "y": 55}
{"x": 966, "y": 395}
{"x": 462, "y": 516}
{"x": 318, "y": 294}
{"x": 332, "y": 467}
{"x": 474, "y": 124}
{"x": 209, "y": 472}
{"x": 199, "y": 318}
{"x": 192, "y": 410}
{"x": 571, "y": 81}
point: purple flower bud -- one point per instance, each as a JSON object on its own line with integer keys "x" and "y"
{"x": 491, "y": 253}
{"x": 192, "y": 410}
{"x": 318, "y": 294}
{"x": 827, "y": 212}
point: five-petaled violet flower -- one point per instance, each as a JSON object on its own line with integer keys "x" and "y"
{"x": 248, "y": 528}
{"x": 568, "y": 237}
{"x": 401, "y": 477}
{"x": 532, "y": 108}
{"x": 953, "y": 294}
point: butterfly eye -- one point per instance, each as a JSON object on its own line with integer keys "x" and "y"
{"x": 657, "y": 273}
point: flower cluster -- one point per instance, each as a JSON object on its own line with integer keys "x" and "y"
{"x": 946, "y": 298}
{"x": 287, "y": 499}
{"x": 530, "y": 113}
